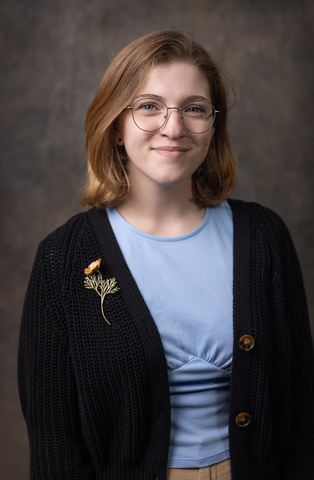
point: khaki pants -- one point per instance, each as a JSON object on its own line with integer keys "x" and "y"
{"x": 218, "y": 471}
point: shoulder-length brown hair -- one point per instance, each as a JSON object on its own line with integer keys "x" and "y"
{"x": 108, "y": 182}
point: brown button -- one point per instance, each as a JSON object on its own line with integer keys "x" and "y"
{"x": 243, "y": 419}
{"x": 246, "y": 343}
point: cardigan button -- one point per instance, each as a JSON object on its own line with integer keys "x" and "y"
{"x": 246, "y": 343}
{"x": 243, "y": 419}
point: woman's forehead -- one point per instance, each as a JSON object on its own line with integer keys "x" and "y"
{"x": 176, "y": 79}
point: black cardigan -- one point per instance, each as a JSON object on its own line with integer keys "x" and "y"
{"x": 95, "y": 396}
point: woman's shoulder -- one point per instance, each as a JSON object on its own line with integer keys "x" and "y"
{"x": 257, "y": 213}
{"x": 262, "y": 221}
{"x": 66, "y": 232}
{"x": 59, "y": 253}
{"x": 66, "y": 240}
{"x": 79, "y": 233}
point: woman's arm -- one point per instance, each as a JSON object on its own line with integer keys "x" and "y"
{"x": 46, "y": 382}
{"x": 298, "y": 461}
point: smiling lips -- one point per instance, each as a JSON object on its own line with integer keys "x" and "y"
{"x": 171, "y": 152}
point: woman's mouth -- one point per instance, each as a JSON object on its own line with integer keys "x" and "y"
{"x": 170, "y": 152}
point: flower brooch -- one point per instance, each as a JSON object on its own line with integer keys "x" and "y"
{"x": 94, "y": 281}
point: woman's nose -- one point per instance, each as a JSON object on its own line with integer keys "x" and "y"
{"x": 173, "y": 128}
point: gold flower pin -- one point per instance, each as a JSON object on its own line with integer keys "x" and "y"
{"x": 93, "y": 267}
{"x": 93, "y": 280}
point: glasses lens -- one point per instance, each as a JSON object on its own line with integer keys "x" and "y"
{"x": 149, "y": 114}
{"x": 199, "y": 116}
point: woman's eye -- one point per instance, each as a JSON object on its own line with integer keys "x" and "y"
{"x": 148, "y": 107}
{"x": 194, "y": 109}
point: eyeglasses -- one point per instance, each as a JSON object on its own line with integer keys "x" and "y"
{"x": 150, "y": 114}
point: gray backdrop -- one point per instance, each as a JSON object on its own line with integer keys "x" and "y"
{"x": 53, "y": 54}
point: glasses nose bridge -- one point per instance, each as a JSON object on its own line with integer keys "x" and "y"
{"x": 180, "y": 112}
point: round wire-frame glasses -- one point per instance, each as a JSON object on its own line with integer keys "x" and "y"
{"x": 150, "y": 115}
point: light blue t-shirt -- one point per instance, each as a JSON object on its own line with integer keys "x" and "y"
{"x": 186, "y": 283}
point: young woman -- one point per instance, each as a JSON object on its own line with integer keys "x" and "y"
{"x": 165, "y": 331}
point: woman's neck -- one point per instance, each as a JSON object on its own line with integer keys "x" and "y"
{"x": 169, "y": 213}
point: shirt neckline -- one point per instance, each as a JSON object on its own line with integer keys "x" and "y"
{"x": 113, "y": 213}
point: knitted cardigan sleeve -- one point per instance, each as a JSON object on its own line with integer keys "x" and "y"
{"x": 292, "y": 365}
{"x": 46, "y": 379}
{"x": 298, "y": 461}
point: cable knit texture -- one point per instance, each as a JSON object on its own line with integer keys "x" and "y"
{"x": 95, "y": 396}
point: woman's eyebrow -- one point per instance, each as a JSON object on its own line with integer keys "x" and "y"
{"x": 148, "y": 95}
{"x": 158, "y": 97}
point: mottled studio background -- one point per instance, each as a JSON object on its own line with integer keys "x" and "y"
{"x": 53, "y": 54}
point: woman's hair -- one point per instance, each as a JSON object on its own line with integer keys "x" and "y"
{"x": 108, "y": 182}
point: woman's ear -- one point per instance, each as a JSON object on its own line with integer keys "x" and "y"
{"x": 118, "y": 138}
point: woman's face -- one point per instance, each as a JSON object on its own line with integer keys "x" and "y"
{"x": 170, "y": 155}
